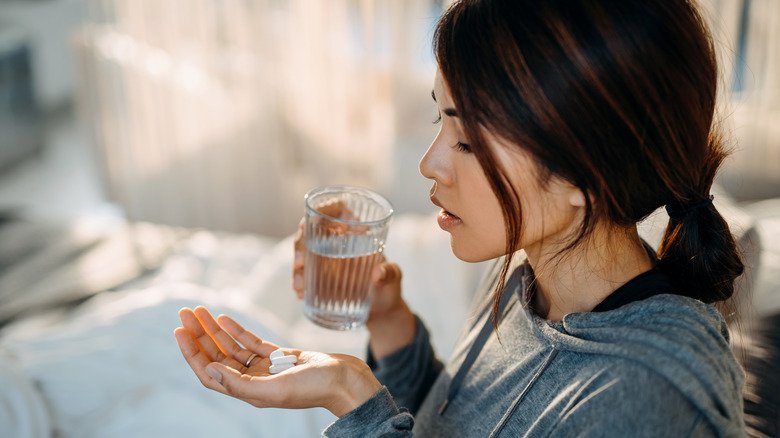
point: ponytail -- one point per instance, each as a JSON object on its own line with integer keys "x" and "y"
{"x": 699, "y": 252}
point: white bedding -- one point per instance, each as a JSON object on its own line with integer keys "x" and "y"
{"x": 111, "y": 367}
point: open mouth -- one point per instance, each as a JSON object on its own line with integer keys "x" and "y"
{"x": 446, "y": 218}
{"x": 448, "y": 214}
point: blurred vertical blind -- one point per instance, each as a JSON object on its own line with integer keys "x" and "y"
{"x": 222, "y": 114}
{"x": 747, "y": 34}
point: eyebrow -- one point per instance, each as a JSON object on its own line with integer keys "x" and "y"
{"x": 448, "y": 111}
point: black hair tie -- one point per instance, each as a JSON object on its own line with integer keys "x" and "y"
{"x": 677, "y": 212}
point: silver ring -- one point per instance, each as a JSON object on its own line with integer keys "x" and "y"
{"x": 249, "y": 361}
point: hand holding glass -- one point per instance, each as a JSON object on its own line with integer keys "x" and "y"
{"x": 345, "y": 229}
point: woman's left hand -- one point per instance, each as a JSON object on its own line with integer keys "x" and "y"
{"x": 218, "y": 350}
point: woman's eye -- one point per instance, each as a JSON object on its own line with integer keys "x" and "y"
{"x": 438, "y": 119}
{"x": 463, "y": 147}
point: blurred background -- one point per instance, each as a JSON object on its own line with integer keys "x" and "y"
{"x": 154, "y": 154}
{"x": 216, "y": 114}
{"x": 222, "y": 114}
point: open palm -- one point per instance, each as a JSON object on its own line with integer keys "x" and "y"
{"x": 218, "y": 350}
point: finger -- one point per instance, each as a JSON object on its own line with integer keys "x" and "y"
{"x": 386, "y": 273}
{"x": 298, "y": 239}
{"x": 299, "y": 231}
{"x": 193, "y": 325}
{"x": 248, "y": 339}
{"x": 231, "y": 353}
{"x": 333, "y": 208}
{"x": 378, "y": 273}
{"x": 298, "y": 261}
{"x": 297, "y": 278}
{"x": 196, "y": 358}
{"x": 297, "y": 286}
{"x": 297, "y": 283}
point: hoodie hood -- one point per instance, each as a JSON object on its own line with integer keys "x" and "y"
{"x": 682, "y": 339}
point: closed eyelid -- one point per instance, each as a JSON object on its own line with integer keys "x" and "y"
{"x": 451, "y": 112}
{"x": 462, "y": 147}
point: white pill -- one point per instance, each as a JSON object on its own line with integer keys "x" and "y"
{"x": 290, "y": 358}
{"x": 276, "y": 354}
{"x": 276, "y": 369}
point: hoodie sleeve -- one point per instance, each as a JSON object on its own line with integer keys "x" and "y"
{"x": 408, "y": 375}
{"x": 378, "y": 416}
{"x": 410, "y": 372}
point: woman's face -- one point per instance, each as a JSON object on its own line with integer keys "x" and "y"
{"x": 471, "y": 212}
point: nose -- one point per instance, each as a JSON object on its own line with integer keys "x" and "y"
{"x": 435, "y": 164}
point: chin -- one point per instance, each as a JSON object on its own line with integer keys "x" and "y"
{"x": 472, "y": 253}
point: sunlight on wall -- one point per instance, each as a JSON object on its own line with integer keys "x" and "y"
{"x": 747, "y": 36}
{"x": 222, "y": 114}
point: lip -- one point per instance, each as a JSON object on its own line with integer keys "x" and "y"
{"x": 436, "y": 202}
{"x": 446, "y": 219}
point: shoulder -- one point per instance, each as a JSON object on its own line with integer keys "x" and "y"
{"x": 666, "y": 322}
{"x": 603, "y": 381}
{"x": 659, "y": 363}
{"x": 626, "y": 399}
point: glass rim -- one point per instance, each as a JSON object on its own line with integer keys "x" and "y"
{"x": 381, "y": 200}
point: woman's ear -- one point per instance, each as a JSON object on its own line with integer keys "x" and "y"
{"x": 577, "y": 197}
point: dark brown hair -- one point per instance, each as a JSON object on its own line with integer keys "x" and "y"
{"x": 616, "y": 97}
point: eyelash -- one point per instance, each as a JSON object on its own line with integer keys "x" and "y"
{"x": 463, "y": 147}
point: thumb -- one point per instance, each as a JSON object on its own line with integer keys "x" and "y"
{"x": 386, "y": 273}
{"x": 233, "y": 381}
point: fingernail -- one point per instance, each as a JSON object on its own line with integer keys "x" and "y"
{"x": 214, "y": 373}
{"x": 298, "y": 281}
{"x": 383, "y": 269}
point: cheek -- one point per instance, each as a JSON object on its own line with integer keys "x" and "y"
{"x": 483, "y": 236}
{"x": 475, "y": 245}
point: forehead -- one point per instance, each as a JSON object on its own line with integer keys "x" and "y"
{"x": 441, "y": 90}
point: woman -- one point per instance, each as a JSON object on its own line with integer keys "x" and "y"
{"x": 563, "y": 124}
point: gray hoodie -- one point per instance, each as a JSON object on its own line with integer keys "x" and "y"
{"x": 661, "y": 366}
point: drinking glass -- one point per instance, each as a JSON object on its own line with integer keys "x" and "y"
{"x": 345, "y": 232}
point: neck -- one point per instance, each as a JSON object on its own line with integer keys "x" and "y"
{"x": 581, "y": 278}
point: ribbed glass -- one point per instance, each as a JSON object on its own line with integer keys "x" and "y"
{"x": 345, "y": 232}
